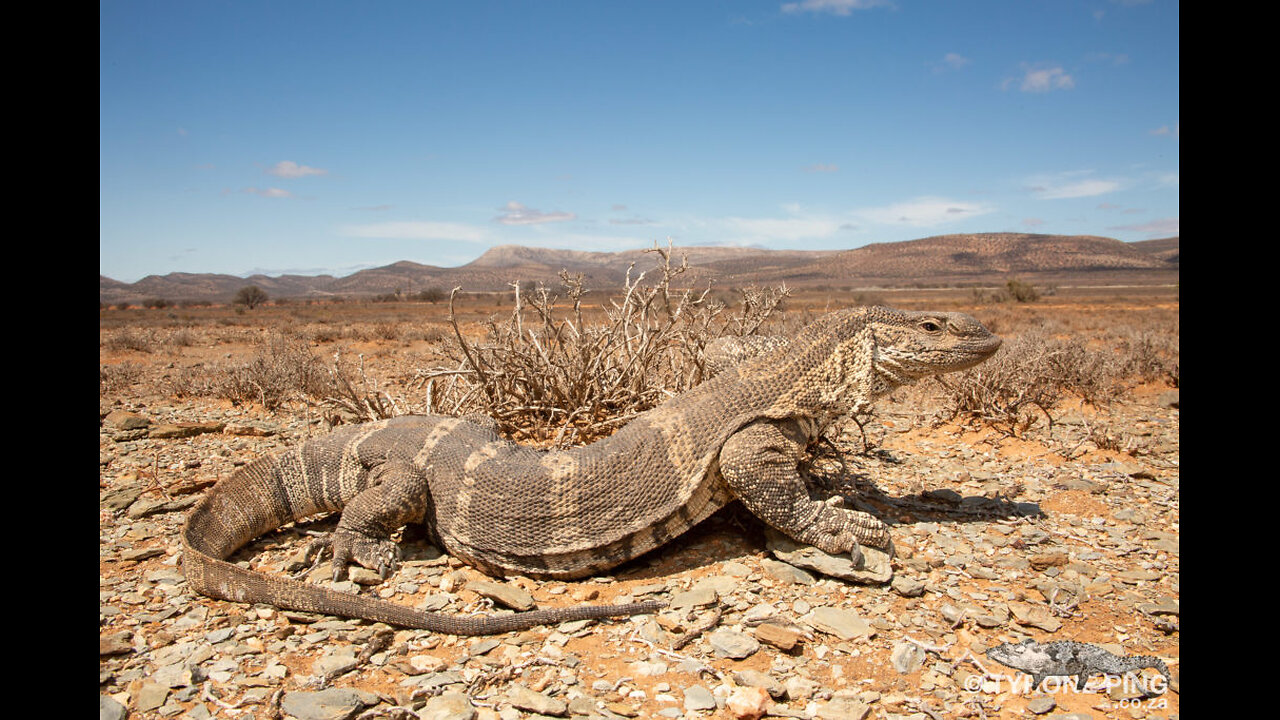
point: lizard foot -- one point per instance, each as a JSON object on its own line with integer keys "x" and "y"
{"x": 839, "y": 531}
{"x": 377, "y": 554}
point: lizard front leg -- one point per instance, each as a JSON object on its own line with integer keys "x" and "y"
{"x": 398, "y": 495}
{"x": 759, "y": 463}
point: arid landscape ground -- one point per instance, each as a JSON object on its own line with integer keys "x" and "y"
{"x": 1036, "y": 496}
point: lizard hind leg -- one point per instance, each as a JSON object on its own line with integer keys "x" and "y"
{"x": 398, "y": 495}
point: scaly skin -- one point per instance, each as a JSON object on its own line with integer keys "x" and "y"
{"x": 570, "y": 513}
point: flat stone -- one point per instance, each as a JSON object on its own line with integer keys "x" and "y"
{"x": 448, "y": 706}
{"x": 697, "y": 697}
{"x": 109, "y": 709}
{"x": 867, "y": 566}
{"x": 697, "y": 597}
{"x": 503, "y": 594}
{"x": 328, "y": 704}
{"x": 907, "y": 657}
{"x": 151, "y": 696}
{"x": 119, "y": 643}
{"x": 525, "y": 699}
{"x": 907, "y": 587}
{"x": 1137, "y": 576}
{"x": 844, "y": 624}
{"x": 755, "y": 678}
{"x": 184, "y": 429}
{"x": 125, "y": 420}
{"x": 1040, "y": 561}
{"x": 1035, "y": 616}
{"x": 787, "y": 573}
{"x": 1041, "y": 704}
{"x": 844, "y": 709}
{"x": 733, "y": 644}
{"x": 748, "y": 703}
{"x": 783, "y": 638}
{"x": 1162, "y": 606}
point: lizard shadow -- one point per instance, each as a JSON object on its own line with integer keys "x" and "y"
{"x": 733, "y": 532}
{"x": 829, "y": 473}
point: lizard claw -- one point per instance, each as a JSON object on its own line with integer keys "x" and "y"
{"x": 381, "y": 556}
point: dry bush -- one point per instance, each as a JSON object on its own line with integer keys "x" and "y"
{"x": 545, "y": 370}
{"x": 181, "y": 337}
{"x": 325, "y": 334}
{"x": 128, "y": 338}
{"x": 285, "y": 369}
{"x": 1151, "y": 354}
{"x": 386, "y": 330}
{"x": 114, "y": 378}
{"x": 1026, "y": 379}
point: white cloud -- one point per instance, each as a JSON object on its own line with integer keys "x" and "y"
{"x": 1166, "y": 131}
{"x": 1071, "y": 185}
{"x": 1156, "y": 228}
{"x": 267, "y": 192}
{"x": 290, "y": 169}
{"x": 955, "y": 61}
{"x": 418, "y": 230}
{"x": 513, "y": 213}
{"x": 1040, "y": 79}
{"x": 1083, "y": 188}
{"x": 1107, "y": 58}
{"x": 835, "y": 7}
{"x": 923, "y": 212}
{"x": 788, "y": 228}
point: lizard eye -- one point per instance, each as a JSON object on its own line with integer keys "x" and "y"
{"x": 930, "y": 326}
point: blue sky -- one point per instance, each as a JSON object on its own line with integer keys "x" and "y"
{"x": 325, "y": 137}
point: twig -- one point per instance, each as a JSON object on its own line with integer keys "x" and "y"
{"x": 711, "y": 620}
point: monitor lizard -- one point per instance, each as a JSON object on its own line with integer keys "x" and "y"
{"x": 508, "y": 509}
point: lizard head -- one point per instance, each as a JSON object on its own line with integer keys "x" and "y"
{"x": 912, "y": 345}
{"x": 849, "y": 357}
{"x": 1024, "y": 655}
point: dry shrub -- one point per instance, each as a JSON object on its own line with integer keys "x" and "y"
{"x": 1026, "y": 379}
{"x": 1151, "y": 354}
{"x": 285, "y": 369}
{"x": 386, "y": 330}
{"x": 545, "y": 370}
{"x": 114, "y": 378}
{"x": 181, "y": 337}
{"x": 130, "y": 339}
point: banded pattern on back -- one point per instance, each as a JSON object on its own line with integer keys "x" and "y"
{"x": 568, "y": 513}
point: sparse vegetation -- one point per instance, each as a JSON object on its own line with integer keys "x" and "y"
{"x": 570, "y": 363}
{"x": 250, "y": 296}
{"x": 1019, "y": 291}
{"x": 432, "y": 295}
{"x": 1035, "y": 370}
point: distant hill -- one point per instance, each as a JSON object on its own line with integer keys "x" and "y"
{"x": 939, "y": 260}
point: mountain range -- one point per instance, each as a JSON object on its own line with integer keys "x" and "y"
{"x": 967, "y": 259}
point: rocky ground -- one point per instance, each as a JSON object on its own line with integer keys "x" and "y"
{"x": 1045, "y": 536}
